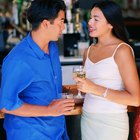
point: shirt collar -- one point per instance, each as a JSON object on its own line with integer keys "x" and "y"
{"x": 37, "y": 50}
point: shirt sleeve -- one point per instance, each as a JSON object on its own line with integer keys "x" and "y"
{"x": 16, "y": 76}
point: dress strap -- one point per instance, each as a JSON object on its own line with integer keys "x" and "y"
{"x": 89, "y": 49}
{"x": 122, "y": 44}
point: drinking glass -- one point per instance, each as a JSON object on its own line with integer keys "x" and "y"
{"x": 67, "y": 96}
{"x": 79, "y": 71}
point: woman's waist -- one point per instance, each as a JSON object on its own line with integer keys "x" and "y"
{"x": 93, "y": 103}
{"x": 109, "y": 83}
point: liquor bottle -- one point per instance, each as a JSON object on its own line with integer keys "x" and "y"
{"x": 69, "y": 21}
{"x": 15, "y": 12}
{"x": 77, "y": 28}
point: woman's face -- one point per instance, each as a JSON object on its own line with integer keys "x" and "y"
{"x": 98, "y": 25}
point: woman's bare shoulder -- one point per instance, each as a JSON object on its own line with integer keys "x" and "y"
{"x": 124, "y": 53}
{"x": 123, "y": 49}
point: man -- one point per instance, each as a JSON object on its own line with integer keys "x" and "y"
{"x": 31, "y": 79}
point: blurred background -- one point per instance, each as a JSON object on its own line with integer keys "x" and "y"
{"x": 14, "y": 27}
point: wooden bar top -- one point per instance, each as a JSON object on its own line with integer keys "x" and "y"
{"x": 77, "y": 110}
{"x": 78, "y": 107}
{"x": 1, "y": 115}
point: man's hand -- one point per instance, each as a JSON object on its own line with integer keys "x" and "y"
{"x": 61, "y": 107}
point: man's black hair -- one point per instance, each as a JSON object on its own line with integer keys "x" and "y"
{"x": 44, "y": 9}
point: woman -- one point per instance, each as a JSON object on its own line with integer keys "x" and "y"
{"x": 111, "y": 81}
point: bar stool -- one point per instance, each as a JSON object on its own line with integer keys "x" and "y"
{"x": 136, "y": 128}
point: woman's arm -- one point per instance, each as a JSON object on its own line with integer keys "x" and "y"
{"x": 127, "y": 67}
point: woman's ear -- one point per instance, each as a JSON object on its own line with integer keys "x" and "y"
{"x": 110, "y": 26}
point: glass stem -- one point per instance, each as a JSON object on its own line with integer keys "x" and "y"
{"x": 79, "y": 94}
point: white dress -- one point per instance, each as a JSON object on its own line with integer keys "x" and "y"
{"x": 103, "y": 119}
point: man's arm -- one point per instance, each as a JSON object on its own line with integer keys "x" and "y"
{"x": 55, "y": 108}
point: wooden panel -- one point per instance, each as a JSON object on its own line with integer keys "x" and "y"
{"x": 1, "y": 115}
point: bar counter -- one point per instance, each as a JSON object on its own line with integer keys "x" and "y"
{"x": 77, "y": 111}
{"x": 78, "y": 107}
{"x": 74, "y": 117}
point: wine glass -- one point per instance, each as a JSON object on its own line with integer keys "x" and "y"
{"x": 79, "y": 71}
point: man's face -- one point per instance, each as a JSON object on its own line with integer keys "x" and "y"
{"x": 56, "y": 28}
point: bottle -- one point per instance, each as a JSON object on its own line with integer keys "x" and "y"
{"x": 75, "y": 48}
{"x": 77, "y": 28}
{"x": 15, "y": 12}
{"x": 69, "y": 21}
{"x": 19, "y": 6}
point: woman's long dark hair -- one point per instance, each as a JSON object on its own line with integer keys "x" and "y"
{"x": 113, "y": 14}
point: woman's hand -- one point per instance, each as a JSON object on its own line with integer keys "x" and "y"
{"x": 85, "y": 85}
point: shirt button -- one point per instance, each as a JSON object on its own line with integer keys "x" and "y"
{"x": 55, "y": 77}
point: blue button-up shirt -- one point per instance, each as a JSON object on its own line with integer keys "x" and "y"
{"x": 30, "y": 75}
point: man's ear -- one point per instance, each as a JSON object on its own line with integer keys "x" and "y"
{"x": 45, "y": 23}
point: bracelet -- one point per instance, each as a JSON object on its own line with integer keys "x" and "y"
{"x": 105, "y": 93}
